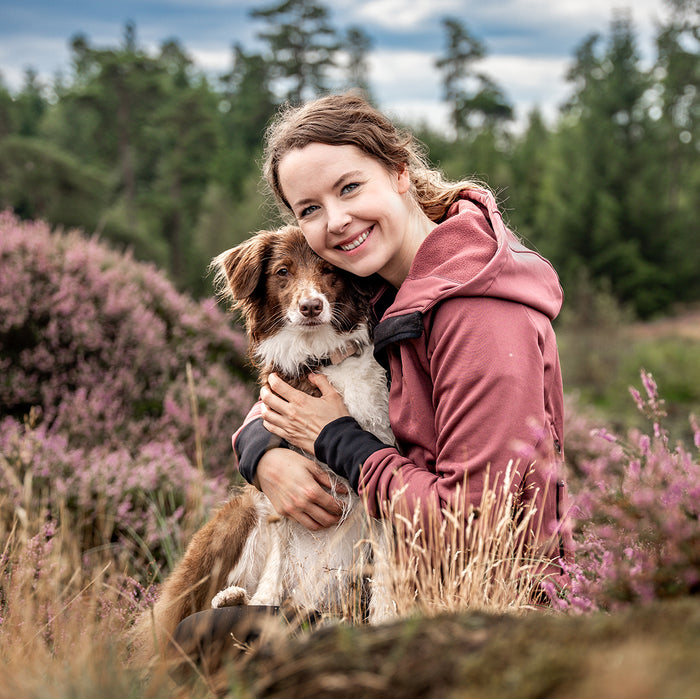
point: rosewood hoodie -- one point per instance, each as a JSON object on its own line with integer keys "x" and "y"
{"x": 475, "y": 378}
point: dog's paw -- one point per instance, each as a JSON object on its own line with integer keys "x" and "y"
{"x": 230, "y": 597}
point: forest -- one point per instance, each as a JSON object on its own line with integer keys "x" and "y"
{"x": 153, "y": 155}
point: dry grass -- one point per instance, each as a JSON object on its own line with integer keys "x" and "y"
{"x": 475, "y": 558}
{"x": 65, "y": 618}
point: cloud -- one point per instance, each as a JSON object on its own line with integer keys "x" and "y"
{"x": 211, "y": 59}
{"x": 530, "y": 81}
{"x": 399, "y": 14}
{"x": 409, "y": 84}
{"x": 18, "y": 53}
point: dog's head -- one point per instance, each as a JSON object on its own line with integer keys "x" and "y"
{"x": 276, "y": 280}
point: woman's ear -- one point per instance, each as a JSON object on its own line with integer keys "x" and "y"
{"x": 404, "y": 179}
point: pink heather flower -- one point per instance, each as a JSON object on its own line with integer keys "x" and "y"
{"x": 637, "y": 396}
{"x": 635, "y": 518}
{"x": 604, "y": 434}
{"x": 108, "y": 364}
{"x": 98, "y": 344}
{"x": 650, "y": 385}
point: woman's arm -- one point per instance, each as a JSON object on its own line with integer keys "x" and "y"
{"x": 487, "y": 369}
{"x": 295, "y": 485}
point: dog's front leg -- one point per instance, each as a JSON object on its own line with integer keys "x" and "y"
{"x": 270, "y": 587}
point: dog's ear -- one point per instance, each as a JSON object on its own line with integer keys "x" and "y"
{"x": 238, "y": 270}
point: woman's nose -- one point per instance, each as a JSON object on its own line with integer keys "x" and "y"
{"x": 338, "y": 219}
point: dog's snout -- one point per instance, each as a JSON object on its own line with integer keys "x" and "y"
{"x": 311, "y": 307}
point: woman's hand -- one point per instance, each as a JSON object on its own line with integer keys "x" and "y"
{"x": 295, "y": 487}
{"x": 297, "y": 416}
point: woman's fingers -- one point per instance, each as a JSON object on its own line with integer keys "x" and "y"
{"x": 296, "y": 487}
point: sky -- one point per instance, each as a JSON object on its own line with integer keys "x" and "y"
{"x": 529, "y": 43}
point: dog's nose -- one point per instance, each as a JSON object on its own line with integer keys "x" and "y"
{"x": 310, "y": 307}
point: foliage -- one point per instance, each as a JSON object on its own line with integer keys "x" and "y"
{"x": 117, "y": 393}
{"x": 471, "y": 105}
{"x": 302, "y": 43}
{"x": 602, "y": 349}
{"x": 139, "y": 504}
{"x": 100, "y": 345}
{"x": 637, "y": 518}
{"x": 609, "y": 188}
{"x": 45, "y": 182}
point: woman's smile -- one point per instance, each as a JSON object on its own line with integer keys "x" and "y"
{"x": 349, "y": 247}
{"x": 354, "y": 212}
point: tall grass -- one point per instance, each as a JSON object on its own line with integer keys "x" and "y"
{"x": 65, "y": 617}
{"x": 477, "y": 558}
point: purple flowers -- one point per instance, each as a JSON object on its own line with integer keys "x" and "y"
{"x": 636, "y": 514}
{"x": 97, "y": 347}
{"x": 100, "y": 343}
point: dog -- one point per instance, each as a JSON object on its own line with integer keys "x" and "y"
{"x": 301, "y": 314}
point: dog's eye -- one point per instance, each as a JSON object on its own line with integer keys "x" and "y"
{"x": 282, "y": 272}
{"x": 328, "y": 270}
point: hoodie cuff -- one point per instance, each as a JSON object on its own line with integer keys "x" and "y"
{"x": 251, "y": 444}
{"x": 344, "y": 447}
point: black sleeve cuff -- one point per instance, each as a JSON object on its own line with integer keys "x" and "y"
{"x": 251, "y": 444}
{"x": 344, "y": 446}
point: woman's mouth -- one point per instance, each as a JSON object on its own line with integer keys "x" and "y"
{"x": 347, "y": 247}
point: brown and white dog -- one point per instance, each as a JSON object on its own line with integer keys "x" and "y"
{"x": 301, "y": 315}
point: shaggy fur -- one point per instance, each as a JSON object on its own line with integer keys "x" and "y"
{"x": 301, "y": 315}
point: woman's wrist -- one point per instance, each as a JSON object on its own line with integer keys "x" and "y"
{"x": 344, "y": 447}
{"x": 251, "y": 445}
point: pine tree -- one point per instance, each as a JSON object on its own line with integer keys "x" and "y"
{"x": 474, "y": 99}
{"x": 357, "y": 45}
{"x": 302, "y": 43}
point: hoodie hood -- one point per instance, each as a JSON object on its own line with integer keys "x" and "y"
{"x": 462, "y": 257}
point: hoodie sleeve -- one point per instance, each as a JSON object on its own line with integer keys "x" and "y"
{"x": 478, "y": 405}
{"x": 250, "y": 442}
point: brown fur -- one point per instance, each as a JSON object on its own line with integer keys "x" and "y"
{"x": 251, "y": 276}
{"x": 215, "y": 548}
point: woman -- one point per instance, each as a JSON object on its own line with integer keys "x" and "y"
{"x": 464, "y": 326}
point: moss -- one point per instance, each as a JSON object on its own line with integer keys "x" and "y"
{"x": 644, "y": 651}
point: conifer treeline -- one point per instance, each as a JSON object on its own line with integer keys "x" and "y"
{"x": 155, "y": 155}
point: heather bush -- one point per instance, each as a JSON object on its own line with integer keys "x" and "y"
{"x": 636, "y": 516}
{"x": 141, "y": 506}
{"x": 100, "y": 343}
{"x": 133, "y": 390}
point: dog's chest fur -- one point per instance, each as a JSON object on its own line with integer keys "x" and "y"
{"x": 359, "y": 378}
{"x": 282, "y": 560}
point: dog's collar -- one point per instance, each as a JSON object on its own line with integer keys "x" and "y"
{"x": 350, "y": 349}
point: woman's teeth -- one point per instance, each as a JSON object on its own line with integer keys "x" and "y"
{"x": 355, "y": 243}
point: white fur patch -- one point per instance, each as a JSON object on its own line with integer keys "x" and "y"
{"x": 294, "y": 346}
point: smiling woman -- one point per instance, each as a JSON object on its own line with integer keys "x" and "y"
{"x": 464, "y": 328}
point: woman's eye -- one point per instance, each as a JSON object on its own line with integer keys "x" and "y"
{"x": 349, "y": 187}
{"x": 308, "y": 210}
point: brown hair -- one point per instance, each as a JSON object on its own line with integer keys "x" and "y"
{"x": 348, "y": 119}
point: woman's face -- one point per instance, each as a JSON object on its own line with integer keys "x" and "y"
{"x": 352, "y": 210}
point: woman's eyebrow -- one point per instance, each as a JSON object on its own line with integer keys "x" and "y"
{"x": 347, "y": 175}
{"x": 344, "y": 176}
